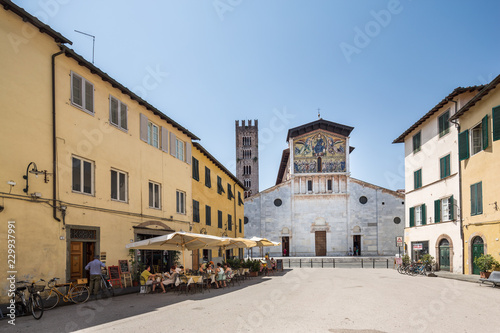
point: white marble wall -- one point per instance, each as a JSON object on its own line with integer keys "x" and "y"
{"x": 338, "y": 212}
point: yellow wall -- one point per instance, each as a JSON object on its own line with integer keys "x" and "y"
{"x": 209, "y": 196}
{"x": 42, "y": 243}
{"x": 482, "y": 167}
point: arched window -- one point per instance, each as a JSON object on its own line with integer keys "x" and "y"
{"x": 320, "y": 166}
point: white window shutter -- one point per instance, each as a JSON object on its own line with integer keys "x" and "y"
{"x": 188, "y": 152}
{"x": 164, "y": 139}
{"x": 172, "y": 144}
{"x": 144, "y": 128}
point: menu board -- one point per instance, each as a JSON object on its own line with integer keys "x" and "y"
{"x": 114, "y": 273}
{"x": 279, "y": 265}
{"x": 123, "y": 266}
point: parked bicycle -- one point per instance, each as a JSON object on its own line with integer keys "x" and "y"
{"x": 107, "y": 289}
{"x": 34, "y": 303}
{"x": 69, "y": 292}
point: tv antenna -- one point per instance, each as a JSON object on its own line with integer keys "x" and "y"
{"x": 93, "y": 42}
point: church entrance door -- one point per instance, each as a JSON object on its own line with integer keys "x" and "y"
{"x": 320, "y": 243}
{"x": 356, "y": 245}
{"x": 285, "y": 243}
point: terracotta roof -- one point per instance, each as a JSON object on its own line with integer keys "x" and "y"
{"x": 219, "y": 164}
{"x": 284, "y": 161}
{"x": 27, "y": 17}
{"x": 452, "y": 95}
{"x": 490, "y": 86}
{"x": 105, "y": 77}
{"x": 319, "y": 124}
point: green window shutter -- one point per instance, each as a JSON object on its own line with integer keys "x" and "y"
{"x": 412, "y": 216}
{"x": 463, "y": 145}
{"x": 448, "y": 166}
{"x": 484, "y": 127}
{"x": 441, "y": 168}
{"x": 452, "y": 208}
{"x": 437, "y": 211}
{"x": 495, "y": 116}
{"x": 423, "y": 215}
{"x": 473, "y": 200}
{"x": 479, "y": 191}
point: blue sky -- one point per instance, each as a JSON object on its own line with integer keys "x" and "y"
{"x": 377, "y": 66}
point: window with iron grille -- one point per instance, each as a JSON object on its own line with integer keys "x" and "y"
{"x": 83, "y": 234}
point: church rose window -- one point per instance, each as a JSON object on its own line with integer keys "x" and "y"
{"x": 363, "y": 199}
{"x": 245, "y": 220}
{"x": 277, "y": 202}
{"x": 397, "y": 220}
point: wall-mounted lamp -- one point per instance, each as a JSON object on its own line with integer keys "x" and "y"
{"x": 203, "y": 231}
{"x": 36, "y": 172}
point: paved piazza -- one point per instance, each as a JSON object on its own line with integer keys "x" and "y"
{"x": 299, "y": 300}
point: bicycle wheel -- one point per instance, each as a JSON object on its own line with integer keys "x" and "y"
{"x": 36, "y": 305}
{"x": 50, "y": 299}
{"x": 106, "y": 289}
{"x": 79, "y": 294}
{"x": 19, "y": 304}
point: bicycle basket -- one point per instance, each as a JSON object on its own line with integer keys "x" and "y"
{"x": 38, "y": 288}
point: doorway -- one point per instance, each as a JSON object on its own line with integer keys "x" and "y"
{"x": 82, "y": 245}
{"x": 444, "y": 255}
{"x": 81, "y": 253}
{"x": 285, "y": 246}
{"x": 477, "y": 251}
{"x": 356, "y": 245}
{"x": 320, "y": 241}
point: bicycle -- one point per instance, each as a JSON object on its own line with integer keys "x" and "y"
{"x": 107, "y": 289}
{"x": 34, "y": 303}
{"x": 76, "y": 293}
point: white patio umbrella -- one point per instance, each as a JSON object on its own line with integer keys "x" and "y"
{"x": 178, "y": 241}
{"x": 236, "y": 243}
{"x": 262, "y": 242}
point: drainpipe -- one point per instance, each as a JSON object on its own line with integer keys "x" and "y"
{"x": 457, "y": 125}
{"x": 54, "y": 148}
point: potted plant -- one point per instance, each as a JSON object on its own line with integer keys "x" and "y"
{"x": 255, "y": 268}
{"x": 406, "y": 260}
{"x": 134, "y": 267}
{"x": 428, "y": 261}
{"x": 485, "y": 263}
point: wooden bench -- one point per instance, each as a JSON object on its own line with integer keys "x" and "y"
{"x": 494, "y": 279}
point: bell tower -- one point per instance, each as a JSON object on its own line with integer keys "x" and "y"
{"x": 247, "y": 155}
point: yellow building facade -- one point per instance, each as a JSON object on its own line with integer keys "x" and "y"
{"x": 218, "y": 207}
{"x": 479, "y": 153}
{"x": 87, "y": 166}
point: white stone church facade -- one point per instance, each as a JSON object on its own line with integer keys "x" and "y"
{"x": 316, "y": 208}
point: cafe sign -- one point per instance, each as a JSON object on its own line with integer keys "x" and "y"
{"x": 417, "y": 246}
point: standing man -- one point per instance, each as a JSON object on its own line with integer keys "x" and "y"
{"x": 95, "y": 274}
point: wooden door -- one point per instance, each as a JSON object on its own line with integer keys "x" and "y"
{"x": 285, "y": 246}
{"x": 320, "y": 243}
{"x": 477, "y": 251}
{"x": 196, "y": 259}
{"x": 356, "y": 243}
{"x": 444, "y": 257}
{"x": 76, "y": 264}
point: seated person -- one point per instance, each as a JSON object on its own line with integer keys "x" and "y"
{"x": 180, "y": 270}
{"x": 228, "y": 271}
{"x": 150, "y": 279}
{"x": 220, "y": 277}
{"x": 273, "y": 263}
{"x": 169, "y": 278}
{"x": 203, "y": 268}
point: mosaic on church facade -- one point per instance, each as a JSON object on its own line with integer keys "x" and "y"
{"x": 319, "y": 152}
